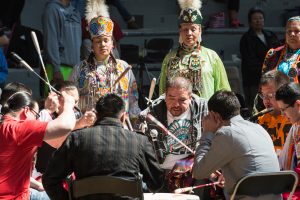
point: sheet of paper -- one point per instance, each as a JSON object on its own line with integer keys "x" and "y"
{"x": 171, "y": 160}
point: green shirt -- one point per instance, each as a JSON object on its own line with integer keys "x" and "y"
{"x": 210, "y": 71}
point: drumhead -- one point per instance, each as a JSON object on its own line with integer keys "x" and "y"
{"x": 168, "y": 196}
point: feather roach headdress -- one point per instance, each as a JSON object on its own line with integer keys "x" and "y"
{"x": 97, "y": 15}
{"x": 190, "y": 11}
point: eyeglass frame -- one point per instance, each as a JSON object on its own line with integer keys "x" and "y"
{"x": 36, "y": 114}
{"x": 290, "y": 32}
{"x": 266, "y": 96}
{"x": 282, "y": 110}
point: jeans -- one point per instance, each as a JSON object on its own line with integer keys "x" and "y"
{"x": 121, "y": 8}
{"x": 38, "y": 195}
{"x": 80, "y": 6}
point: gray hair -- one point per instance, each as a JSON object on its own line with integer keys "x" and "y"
{"x": 295, "y": 18}
{"x": 278, "y": 77}
{"x": 180, "y": 82}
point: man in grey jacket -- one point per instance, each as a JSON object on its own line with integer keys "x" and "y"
{"x": 62, "y": 38}
{"x": 232, "y": 144}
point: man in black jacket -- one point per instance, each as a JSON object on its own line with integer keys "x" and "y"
{"x": 106, "y": 148}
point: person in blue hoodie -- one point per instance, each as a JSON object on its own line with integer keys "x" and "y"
{"x": 62, "y": 38}
{"x": 3, "y": 69}
{"x": 3, "y": 63}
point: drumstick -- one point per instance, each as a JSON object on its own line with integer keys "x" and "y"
{"x": 122, "y": 75}
{"x": 27, "y": 66}
{"x": 151, "y": 90}
{"x": 129, "y": 124}
{"x": 37, "y": 47}
{"x": 217, "y": 172}
{"x": 187, "y": 189}
{"x": 164, "y": 129}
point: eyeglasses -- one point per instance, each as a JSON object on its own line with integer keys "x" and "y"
{"x": 36, "y": 114}
{"x": 282, "y": 110}
{"x": 267, "y": 96}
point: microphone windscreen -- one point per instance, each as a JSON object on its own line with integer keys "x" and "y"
{"x": 153, "y": 133}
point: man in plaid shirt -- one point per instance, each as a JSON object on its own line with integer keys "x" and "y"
{"x": 104, "y": 149}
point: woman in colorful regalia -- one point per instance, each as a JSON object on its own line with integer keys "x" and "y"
{"x": 286, "y": 58}
{"x": 202, "y": 66}
{"x": 98, "y": 74}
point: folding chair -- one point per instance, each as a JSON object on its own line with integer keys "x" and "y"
{"x": 234, "y": 79}
{"x": 258, "y": 184}
{"x": 156, "y": 49}
{"x": 109, "y": 185}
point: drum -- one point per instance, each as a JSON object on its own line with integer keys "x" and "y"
{"x": 181, "y": 174}
{"x": 168, "y": 196}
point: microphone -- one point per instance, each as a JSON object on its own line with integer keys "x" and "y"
{"x": 150, "y": 117}
{"x": 158, "y": 151}
{"x": 260, "y": 113}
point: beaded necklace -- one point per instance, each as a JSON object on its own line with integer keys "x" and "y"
{"x": 189, "y": 57}
{"x": 288, "y": 62}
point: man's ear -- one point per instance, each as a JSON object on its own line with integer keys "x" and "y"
{"x": 190, "y": 96}
{"x": 217, "y": 118}
{"x": 123, "y": 116}
{"x": 98, "y": 116}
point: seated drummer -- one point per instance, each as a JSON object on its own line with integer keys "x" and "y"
{"x": 275, "y": 123}
{"x": 181, "y": 112}
{"x": 236, "y": 146}
{"x": 103, "y": 150}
